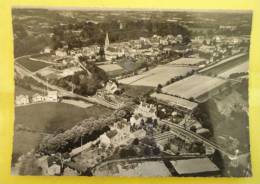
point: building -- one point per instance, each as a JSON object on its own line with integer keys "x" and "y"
{"x": 196, "y": 166}
{"x": 37, "y": 98}
{"x": 52, "y": 96}
{"x": 47, "y": 50}
{"x": 61, "y": 53}
{"x": 111, "y": 87}
{"x": 104, "y": 140}
{"x": 54, "y": 170}
{"x": 106, "y": 42}
{"x": 146, "y": 110}
{"x": 175, "y": 102}
{"x": 22, "y": 100}
{"x": 136, "y": 120}
{"x": 190, "y": 123}
{"x": 123, "y": 133}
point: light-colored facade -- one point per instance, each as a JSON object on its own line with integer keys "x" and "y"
{"x": 22, "y": 100}
{"x": 52, "y": 96}
{"x": 37, "y": 98}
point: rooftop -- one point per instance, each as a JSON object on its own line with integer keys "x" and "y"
{"x": 193, "y": 166}
{"x": 174, "y": 101}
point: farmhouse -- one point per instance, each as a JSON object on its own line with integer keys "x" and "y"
{"x": 198, "y": 87}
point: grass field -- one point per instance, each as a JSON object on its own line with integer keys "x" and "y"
{"x": 135, "y": 91}
{"x": 48, "y": 118}
{"x": 158, "y": 75}
{"x": 31, "y": 65}
{"x": 22, "y": 91}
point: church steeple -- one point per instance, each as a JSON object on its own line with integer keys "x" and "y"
{"x": 106, "y": 41}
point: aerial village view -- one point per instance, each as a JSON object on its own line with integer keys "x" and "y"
{"x": 131, "y": 93}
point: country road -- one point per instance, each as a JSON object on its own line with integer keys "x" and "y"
{"x": 148, "y": 158}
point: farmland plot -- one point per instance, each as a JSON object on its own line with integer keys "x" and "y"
{"x": 158, "y": 75}
{"x": 31, "y": 65}
{"x": 193, "y": 86}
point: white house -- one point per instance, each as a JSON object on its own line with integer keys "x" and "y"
{"x": 136, "y": 120}
{"x": 54, "y": 169}
{"x": 119, "y": 133}
{"x": 52, "y": 96}
{"x": 60, "y": 52}
{"x": 179, "y": 38}
{"x": 141, "y": 133}
{"x": 22, "y": 100}
{"x": 37, "y": 98}
{"x": 147, "y": 110}
{"x": 47, "y": 50}
{"x": 104, "y": 140}
{"x": 111, "y": 87}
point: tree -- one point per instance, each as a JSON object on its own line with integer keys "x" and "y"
{"x": 193, "y": 128}
{"x": 159, "y": 88}
{"x": 135, "y": 141}
{"x": 156, "y": 151}
{"x": 147, "y": 151}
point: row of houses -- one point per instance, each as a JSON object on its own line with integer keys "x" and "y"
{"x": 52, "y": 96}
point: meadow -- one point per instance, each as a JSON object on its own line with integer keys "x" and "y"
{"x": 48, "y": 118}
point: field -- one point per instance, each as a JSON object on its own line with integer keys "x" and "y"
{"x": 130, "y": 66}
{"x": 45, "y": 57}
{"x": 158, "y": 75}
{"x": 33, "y": 66}
{"x": 243, "y": 67}
{"x": 22, "y": 91}
{"x": 225, "y": 64}
{"x": 193, "y": 86}
{"x": 188, "y": 61}
{"x": 48, "y": 118}
{"x": 135, "y": 91}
